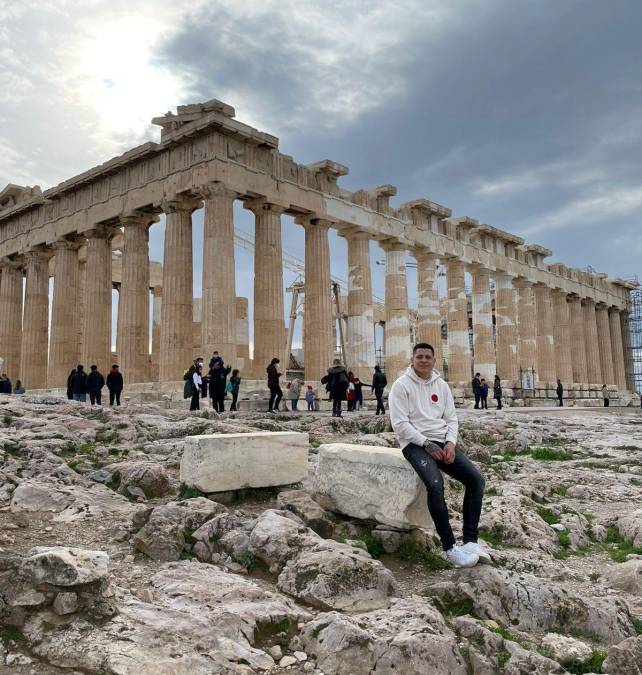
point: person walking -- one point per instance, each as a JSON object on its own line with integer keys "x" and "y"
{"x": 477, "y": 390}
{"x": 497, "y": 392}
{"x": 293, "y": 393}
{"x": 273, "y": 376}
{"x": 218, "y": 385}
{"x": 19, "y": 389}
{"x": 114, "y": 384}
{"x": 233, "y": 387}
{"x": 70, "y": 394}
{"x": 78, "y": 382}
{"x": 484, "y": 394}
{"x": 95, "y": 383}
{"x": 337, "y": 384}
{"x": 351, "y": 394}
{"x": 605, "y": 396}
{"x": 423, "y": 417}
{"x": 358, "y": 394}
{"x": 309, "y": 398}
{"x": 196, "y": 381}
{"x": 379, "y": 383}
{"x": 560, "y": 393}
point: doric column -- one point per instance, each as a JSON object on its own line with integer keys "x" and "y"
{"x": 604, "y": 343}
{"x": 96, "y": 329}
{"x": 360, "y": 329}
{"x": 591, "y": 343}
{"x": 506, "y": 327}
{"x": 428, "y": 327}
{"x": 11, "y": 317}
{"x": 63, "y": 346}
{"x": 626, "y": 346}
{"x": 269, "y": 315}
{"x": 157, "y": 309}
{"x": 319, "y": 332}
{"x": 34, "y": 357}
{"x": 176, "y": 352}
{"x": 545, "y": 339}
{"x": 562, "y": 333}
{"x": 617, "y": 349}
{"x": 398, "y": 347}
{"x": 483, "y": 347}
{"x": 578, "y": 337}
{"x": 242, "y": 332}
{"x": 527, "y": 327}
{"x": 459, "y": 357}
{"x": 80, "y": 314}
{"x": 218, "y": 304}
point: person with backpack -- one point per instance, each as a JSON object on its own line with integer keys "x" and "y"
{"x": 218, "y": 385}
{"x": 78, "y": 384}
{"x": 379, "y": 383}
{"x": 95, "y": 383}
{"x": 273, "y": 376}
{"x": 233, "y": 388}
{"x": 114, "y": 384}
{"x": 337, "y": 384}
{"x": 309, "y": 398}
{"x": 497, "y": 392}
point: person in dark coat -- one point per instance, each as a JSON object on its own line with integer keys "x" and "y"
{"x": 560, "y": 393}
{"x": 70, "y": 394}
{"x": 337, "y": 384}
{"x": 477, "y": 390}
{"x": 218, "y": 384}
{"x": 379, "y": 383}
{"x": 78, "y": 383}
{"x": 358, "y": 392}
{"x": 497, "y": 392}
{"x": 235, "y": 382}
{"x": 114, "y": 384}
{"x": 95, "y": 383}
{"x": 276, "y": 394}
{"x": 5, "y": 384}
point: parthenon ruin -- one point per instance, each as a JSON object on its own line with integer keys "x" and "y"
{"x": 550, "y": 320}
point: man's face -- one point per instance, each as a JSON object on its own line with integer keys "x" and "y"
{"x": 423, "y": 361}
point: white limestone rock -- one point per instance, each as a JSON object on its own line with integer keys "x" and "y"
{"x": 626, "y": 576}
{"x": 62, "y": 566}
{"x": 625, "y": 658}
{"x": 563, "y": 648}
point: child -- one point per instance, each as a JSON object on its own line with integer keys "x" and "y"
{"x": 484, "y": 394}
{"x": 309, "y": 398}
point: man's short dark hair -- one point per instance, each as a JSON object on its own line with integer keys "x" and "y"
{"x": 476, "y": 374}
{"x": 423, "y": 345}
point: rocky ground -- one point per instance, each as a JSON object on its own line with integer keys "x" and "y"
{"x": 109, "y": 565}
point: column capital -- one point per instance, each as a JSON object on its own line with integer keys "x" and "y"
{"x": 314, "y": 222}
{"x": 217, "y": 189}
{"x": 37, "y": 254}
{"x": 588, "y": 301}
{"x": 393, "y": 245}
{"x": 424, "y": 254}
{"x": 178, "y": 203}
{"x": 100, "y": 231}
{"x": 478, "y": 268}
{"x": 143, "y": 218}
{"x": 11, "y": 263}
{"x": 66, "y": 244}
{"x": 260, "y": 204}
{"x": 351, "y": 232}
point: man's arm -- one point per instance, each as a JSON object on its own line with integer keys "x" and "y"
{"x": 452, "y": 424}
{"x": 398, "y": 404}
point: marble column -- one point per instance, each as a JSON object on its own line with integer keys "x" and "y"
{"x": 242, "y": 333}
{"x": 428, "y": 328}
{"x": 483, "y": 347}
{"x": 80, "y": 314}
{"x": 562, "y": 333}
{"x": 545, "y": 338}
{"x": 96, "y": 330}
{"x": 578, "y": 338}
{"x": 319, "y": 332}
{"x": 218, "y": 305}
{"x": 63, "y": 345}
{"x": 506, "y": 328}
{"x": 176, "y": 352}
{"x": 34, "y": 356}
{"x": 11, "y": 318}
{"x": 398, "y": 347}
{"x": 157, "y": 310}
{"x": 617, "y": 349}
{"x": 604, "y": 343}
{"x": 628, "y": 356}
{"x": 591, "y": 343}
{"x": 269, "y": 313}
{"x": 527, "y": 327}
{"x": 133, "y": 300}
{"x": 360, "y": 328}
{"x": 459, "y": 356}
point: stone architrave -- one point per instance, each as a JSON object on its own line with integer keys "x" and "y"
{"x": 483, "y": 346}
{"x": 428, "y": 327}
{"x": 176, "y": 349}
{"x": 545, "y": 338}
{"x": 222, "y": 462}
{"x": 34, "y": 356}
{"x": 591, "y": 342}
{"x": 360, "y": 326}
{"x": 398, "y": 347}
{"x": 63, "y": 341}
{"x": 527, "y": 327}
{"x": 269, "y": 313}
{"x": 96, "y": 331}
{"x": 562, "y": 332}
{"x": 242, "y": 332}
{"x": 578, "y": 336}
{"x": 218, "y": 304}
{"x": 604, "y": 343}
{"x": 11, "y": 317}
{"x": 617, "y": 349}
{"x": 459, "y": 356}
{"x": 506, "y": 327}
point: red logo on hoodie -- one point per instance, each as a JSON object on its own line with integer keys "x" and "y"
{"x": 434, "y": 398}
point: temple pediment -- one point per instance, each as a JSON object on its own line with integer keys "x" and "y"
{"x": 13, "y": 195}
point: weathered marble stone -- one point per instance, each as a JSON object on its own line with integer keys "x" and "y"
{"x": 61, "y": 566}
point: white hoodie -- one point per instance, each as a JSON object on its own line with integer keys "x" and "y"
{"x": 422, "y": 409}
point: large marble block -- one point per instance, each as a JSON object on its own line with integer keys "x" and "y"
{"x": 371, "y": 483}
{"x": 221, "y": 462}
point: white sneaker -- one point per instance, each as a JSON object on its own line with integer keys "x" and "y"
{"x": 479, "y": 551}
{"x": 461, "y": 558}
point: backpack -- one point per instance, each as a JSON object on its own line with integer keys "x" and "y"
{"x": 342, "y": 379}
{"x": 187, "y": 389}
{"x": 229, "y": 388}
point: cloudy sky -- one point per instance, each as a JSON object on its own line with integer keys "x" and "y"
{"x": 525, "y": 115}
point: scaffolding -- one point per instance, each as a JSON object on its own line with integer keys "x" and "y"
{"x": 633, "y": 336}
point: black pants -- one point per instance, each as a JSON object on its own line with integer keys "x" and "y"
{"x": 462, "y": 470}
{"x": 561, "y": 404}
{"x": 235, "y": 398}
{"x": 195, "y": 402}
{"x": 499, "y": 402}
{"x": 218, "y": 402}
{"x": 477, "y": 398}
{"x": 380, "y": 406}
{"x": 336, "y": 407}
{"x": 275, "y": 397}
{"x": 114, "y": 395}
{"x": 484, "y": 402}
{"x": 606, "y": 402}
{"x": 95, "y": 397}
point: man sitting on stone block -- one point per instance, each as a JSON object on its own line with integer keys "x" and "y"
{"x": 422, "y": 412}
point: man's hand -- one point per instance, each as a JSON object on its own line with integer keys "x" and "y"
{"x": 434, "y": 451}
{"x": 448, "y": 453}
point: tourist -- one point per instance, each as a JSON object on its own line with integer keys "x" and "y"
{"x": 95, "y": 383}
{"x": 273, "y": 376}
{"x": 497, "y": 392}
{"x": 351, "y": 394}
{"x": 477, "y": 390}
{"x": 605, "y": 396}
{"x": 5, "y": 384}
{"x": 484, "y": 394}
{"x": 196, "y": 381}
{"x": 19, "y": 389}
{"x": 337, "y": 383}
{"x": 204, "y": 378}
{"x": 70, "y": 394}
{"x": 423, "y": 417}
{"x": 215, "y": 357}
{"x": 293, "y": 393}
{"x": 379, "y": 383}
{"x": 78, "y": 384}
{"x": 218, "y": 384}
{"x": 358, "y": 394}
{"x": 309, "y": 398}
{"x": 233, "y": 388}
{"x": 560, "y": 393}
{"x": 114, "y": 384}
